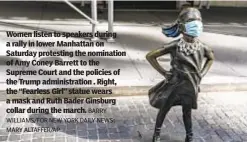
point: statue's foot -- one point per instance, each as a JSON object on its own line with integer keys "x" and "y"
{"x": 189, "y": 138}
{"x": 156, "y": 138}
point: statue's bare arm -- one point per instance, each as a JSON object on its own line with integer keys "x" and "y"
{"x": 153, "y": 55}
{"x": 209, "y": 54}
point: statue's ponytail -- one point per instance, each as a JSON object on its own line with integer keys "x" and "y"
{"x": 172, "y": 31}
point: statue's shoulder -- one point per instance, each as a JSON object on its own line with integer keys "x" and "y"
{"x": 207, "y": 49}
{"x": 171, "y": 45}
{"x": 205, "y": 46}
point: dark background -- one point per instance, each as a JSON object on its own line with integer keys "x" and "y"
{"x": 145, "y": 4}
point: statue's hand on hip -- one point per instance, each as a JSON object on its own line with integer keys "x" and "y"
{"x": 168, "y": 75}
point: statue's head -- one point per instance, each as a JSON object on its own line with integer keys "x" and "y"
{"x": 189, "y": 14}
{"x": 190, "y": 22}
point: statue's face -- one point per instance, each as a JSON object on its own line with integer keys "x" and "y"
{"x": 190, "y": 22}
{"x": 193, "y": 19}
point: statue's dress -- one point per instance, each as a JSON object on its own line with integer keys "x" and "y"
{"x": 183, "y": 86}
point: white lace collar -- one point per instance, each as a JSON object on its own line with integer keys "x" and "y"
{"x": 188, "y": 48}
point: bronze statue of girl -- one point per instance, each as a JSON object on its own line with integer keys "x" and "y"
{"x": 181, "y": 83}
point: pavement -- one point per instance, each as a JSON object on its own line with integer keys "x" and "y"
{"x": 221, "y": 117}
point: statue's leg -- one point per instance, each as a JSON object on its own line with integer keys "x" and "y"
{"x": 160, "y": 118}
{"x": 187, "y": 122}
{"x": 159, "y": 121}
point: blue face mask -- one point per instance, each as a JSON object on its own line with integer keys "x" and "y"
{"x": 193, "y": 28}
{"x": 172, "y": 31}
